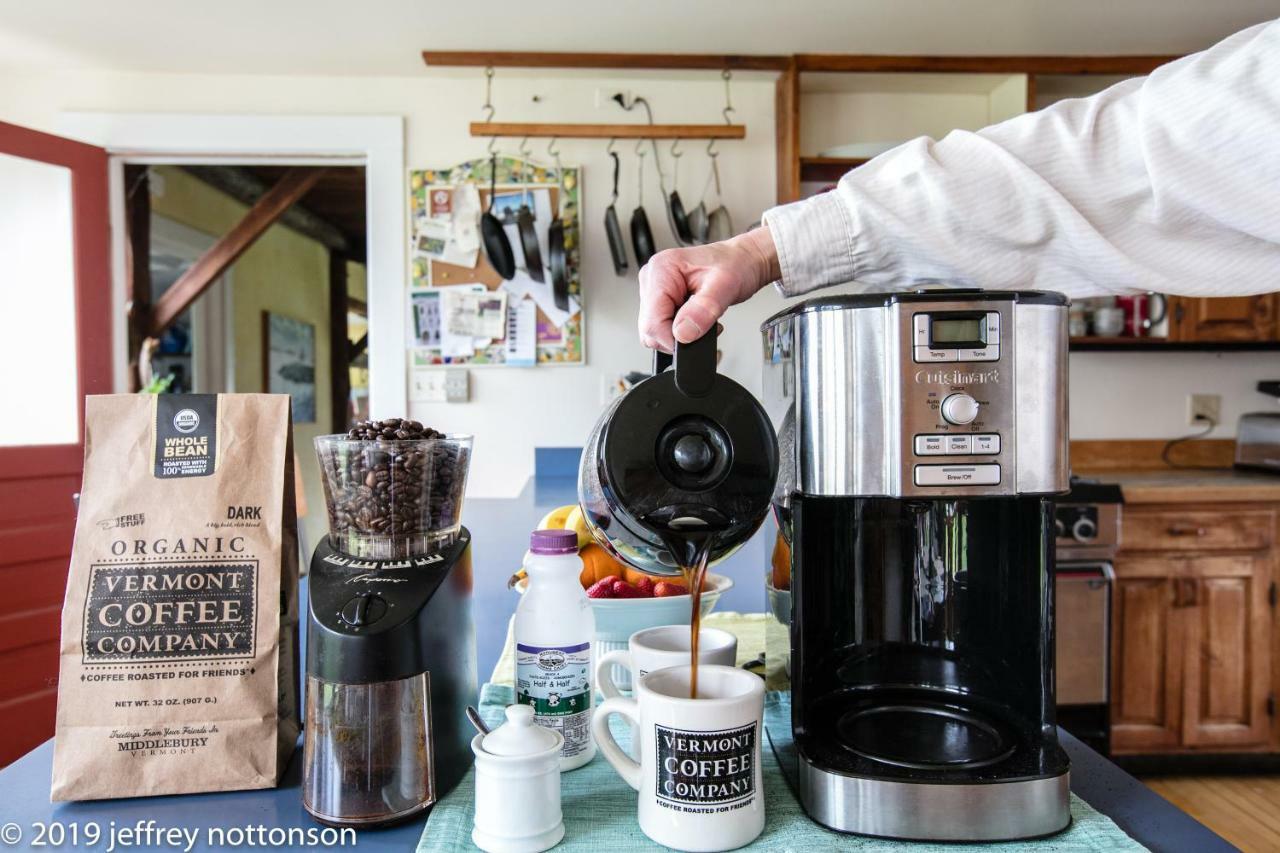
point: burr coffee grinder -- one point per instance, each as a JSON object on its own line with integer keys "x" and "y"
{"x": 391, "y": 662}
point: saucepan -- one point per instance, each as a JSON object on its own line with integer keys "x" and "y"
{"x": 524, "y": 222}
{"x": 555, "y": 239}
{"x": 676, "y": 215}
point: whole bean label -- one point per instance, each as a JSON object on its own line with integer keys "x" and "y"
{"x": 170, "y": 611}
{"x": 706, "y": 767}
{"x": 186, "y": 439}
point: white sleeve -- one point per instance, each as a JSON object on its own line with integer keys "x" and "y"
{"x": 1168, "y": 183}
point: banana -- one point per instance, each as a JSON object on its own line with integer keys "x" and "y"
{"x": 578, "y": 525}
{"x": 555, "y": 520}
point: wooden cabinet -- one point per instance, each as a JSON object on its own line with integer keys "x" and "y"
{"x": 1192, "y": 631}
{"x": 1223, "y": 319}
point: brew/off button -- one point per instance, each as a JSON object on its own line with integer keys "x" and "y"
{"x": 957, "y": 475}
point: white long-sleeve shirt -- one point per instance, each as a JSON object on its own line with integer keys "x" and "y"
{"x": 1168, "y": 183}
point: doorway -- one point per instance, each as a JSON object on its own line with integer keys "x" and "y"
{"x": 249, "y": 290}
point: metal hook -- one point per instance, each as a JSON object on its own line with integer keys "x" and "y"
{"x": 640, "y": 147}
{"x": 552, "y": 151}
{"x": 711, "y": 149}
{"x": 674, "y": 153}
{"x": 524, "y": 148}
{"x": 488, "y": 106}
{"x": 609, "y": 149}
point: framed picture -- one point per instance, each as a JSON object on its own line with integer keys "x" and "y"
{"x": 289, "y": 362}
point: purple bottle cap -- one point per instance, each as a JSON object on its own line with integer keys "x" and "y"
{"x": 553, "y": 542}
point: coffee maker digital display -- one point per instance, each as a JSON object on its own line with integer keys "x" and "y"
{"x": 922, "y": 437}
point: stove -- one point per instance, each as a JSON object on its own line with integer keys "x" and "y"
{"x": 1087, "y": 522}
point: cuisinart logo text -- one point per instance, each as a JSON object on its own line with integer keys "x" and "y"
{"x": 939, "y": 376}
{"x": 148, "y": 612}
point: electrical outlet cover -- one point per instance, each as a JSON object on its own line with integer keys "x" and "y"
{"x": 1204, "y": 407}
{"x": 457, "y": 385}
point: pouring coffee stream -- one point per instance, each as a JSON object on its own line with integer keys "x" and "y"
{"x": 679, "y": 472}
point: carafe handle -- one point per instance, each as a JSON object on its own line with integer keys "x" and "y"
{"x": 661, "y": 361}
{"x": 695, "y": 365}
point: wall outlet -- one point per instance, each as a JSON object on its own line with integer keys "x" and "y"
{"x": 457, "y": 385}
{"x": 1204, "y": 407}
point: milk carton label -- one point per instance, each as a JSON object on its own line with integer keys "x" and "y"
{"x": 705, "y": 768}
{"x": 556, "y": 681}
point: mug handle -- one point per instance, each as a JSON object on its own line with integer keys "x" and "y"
{"x": 628, "y": 768}
{"x": 604, "y": 670}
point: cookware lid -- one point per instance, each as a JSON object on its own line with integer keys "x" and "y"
{"x": 690, "y": 444}
{"x": 520, "y": 735}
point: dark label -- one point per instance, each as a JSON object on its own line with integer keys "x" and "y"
{"x": 706, "y": 767}
{"x": 170, "y": 611}
{"x": 186, "y": 435}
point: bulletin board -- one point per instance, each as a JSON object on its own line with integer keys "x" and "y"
{"x": 461, "y": 311}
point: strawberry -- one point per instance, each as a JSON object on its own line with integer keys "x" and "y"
{"x": 602, "y": 588}
{"x": 645, "y": 585}
{"x": 622, "y": 589}
{"x": 666, "y": 589}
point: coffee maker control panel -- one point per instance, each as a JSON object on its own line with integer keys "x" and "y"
{"x": 957, "y": 398}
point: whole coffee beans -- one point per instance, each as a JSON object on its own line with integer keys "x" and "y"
{"x": 393, "y": 487}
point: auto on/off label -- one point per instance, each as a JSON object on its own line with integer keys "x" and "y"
{"x": 556, "y": 682}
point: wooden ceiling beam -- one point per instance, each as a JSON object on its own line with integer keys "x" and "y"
{"x": 247, "y": 188}
{"x": 851, "y": 63}
{"x": 214, "y": 262}
{"x": 634, "y": 61}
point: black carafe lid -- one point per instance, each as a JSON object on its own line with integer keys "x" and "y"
{"x": 691, "y": 443}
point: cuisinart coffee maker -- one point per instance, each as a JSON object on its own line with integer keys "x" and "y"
{"x": 391, "y": 661}
{"x": 922, "y": 438}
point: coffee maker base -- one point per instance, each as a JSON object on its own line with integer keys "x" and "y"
{"x": 921, "y": 811}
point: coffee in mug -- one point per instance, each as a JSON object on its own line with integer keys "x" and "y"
{"x": 698, "y": 777}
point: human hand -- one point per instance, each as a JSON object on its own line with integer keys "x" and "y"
{"x": 683, "y": 292}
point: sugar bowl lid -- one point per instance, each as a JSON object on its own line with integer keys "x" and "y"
{"x": 519, "y": 735}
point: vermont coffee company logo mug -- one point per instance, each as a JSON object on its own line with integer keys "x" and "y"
{"x": 698, "y": 776}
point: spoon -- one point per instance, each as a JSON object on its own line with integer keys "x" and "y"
{"x": 474, "y": 716}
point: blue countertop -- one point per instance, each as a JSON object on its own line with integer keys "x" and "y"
{"x": 500, "y": 530}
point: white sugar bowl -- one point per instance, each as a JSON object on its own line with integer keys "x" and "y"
{"x": 518, "y": 786}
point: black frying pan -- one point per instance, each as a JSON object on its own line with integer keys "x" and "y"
{"x": 641, "y": 233}
{"x": 496, "y": 245}
{"x": 555, "y": 247}
{"x": 529, "y": 238}
{"x": 617, "y": 246}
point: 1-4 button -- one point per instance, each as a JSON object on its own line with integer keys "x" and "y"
{"x": 986, "y": 444}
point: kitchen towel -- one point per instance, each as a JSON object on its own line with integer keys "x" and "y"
{"x": 600, "y": 809}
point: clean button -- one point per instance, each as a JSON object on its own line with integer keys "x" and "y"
{"x": 957, "y": 475}
{"x": 959, "y": 445}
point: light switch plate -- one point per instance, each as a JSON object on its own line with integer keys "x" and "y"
{"x": 428, "y": 386}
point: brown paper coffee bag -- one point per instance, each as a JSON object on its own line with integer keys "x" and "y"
{"x": 179, "y": 627}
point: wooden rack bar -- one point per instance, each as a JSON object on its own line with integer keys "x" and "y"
{"x": 533, "y": 59}
{"x": 867, "y": 63}
{"x": 610, "y": 131}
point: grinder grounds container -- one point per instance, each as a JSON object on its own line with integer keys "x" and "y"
{"x": 922, "y": 439}
{"x": 391, "y": 662}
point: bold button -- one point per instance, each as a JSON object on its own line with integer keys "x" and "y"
{"x": 986, "y": 444}
{"x": 926, "y": 354}
{"x": 983, "y": 354}
{"x": 959, "y": 444}
{"x": 929, "y": 445}
{"x": 959, "y": 409}
{"x": 922, "y": 329}
{"x": 957, "y": 475}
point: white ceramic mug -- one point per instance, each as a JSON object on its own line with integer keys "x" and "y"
{"x": 661, "y": 647}
{"x": 698, "y": 776}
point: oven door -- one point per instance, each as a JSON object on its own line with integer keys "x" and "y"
{"x": 1083, "y": 649}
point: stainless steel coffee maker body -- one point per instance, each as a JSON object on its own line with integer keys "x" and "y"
{"x": 921, "y": 438}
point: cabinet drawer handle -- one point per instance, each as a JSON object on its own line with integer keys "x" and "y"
{"x": 1187, "y": 531}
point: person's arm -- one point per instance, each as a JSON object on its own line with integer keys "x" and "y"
{"x": 1167, "y": 183}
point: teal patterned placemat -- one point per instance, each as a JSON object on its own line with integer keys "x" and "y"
{"x": 600, "y": 809}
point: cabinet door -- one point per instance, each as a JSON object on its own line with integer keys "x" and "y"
{"x": 1146, "y": 675}
{"x": 1234, "y": 318}
{"x": 1228, "y": 662}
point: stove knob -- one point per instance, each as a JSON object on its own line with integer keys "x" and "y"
{"x": 1084, "y": 530}
{"x": 959, "y": 409}
{"x": 364, "y": 609}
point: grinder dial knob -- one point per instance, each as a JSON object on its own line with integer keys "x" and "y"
{"x": 959, "y": 409}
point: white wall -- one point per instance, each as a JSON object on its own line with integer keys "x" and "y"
{"x": 514, "y": 410}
